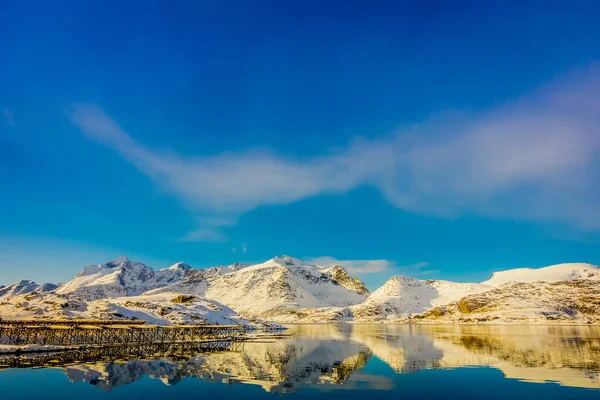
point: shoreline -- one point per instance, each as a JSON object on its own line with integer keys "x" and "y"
{"x": 444, "y": 323}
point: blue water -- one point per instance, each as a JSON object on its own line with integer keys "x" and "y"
{"x": 351, "y": 361}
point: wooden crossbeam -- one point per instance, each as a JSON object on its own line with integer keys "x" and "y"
{"x": 69, "y": 322}
{"x": 118, "y": 334}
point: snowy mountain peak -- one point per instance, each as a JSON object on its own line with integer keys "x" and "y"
{"x": 402, "y": 279}
{"x": 180, "y": 266}
{"x": 222, "y": 269}
{"x": 286, "y": 260}
{"x": 337, "y": 269}
{"x": 342, "y": 277}
{"x": 282, "y": 285}
{"x": 119, "y": 277}
{"x": 18, "y": 288}
{"x": 24, "y": 283}
{"x": 97, "y": 268}
{"x": 395, "y": 286}
{"x": 117, "y": 262}
{"x": 46, "y": 287}
{"x": 552, "y": 273}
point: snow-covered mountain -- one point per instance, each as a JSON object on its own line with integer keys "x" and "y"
{"x": 226, "y": 294}
{"x": 402, "y": 296}
{"x": 117, "y": 290}
{"x": 516, "y": 302}
{"x": 282, "y": 284}
{"x": 25, "y": 287}
{"x": 511, "y": 295}
{"x": 122, "y": 277}
{"x": 285, "y": 289}
{"x": 21, "y": 287}
{"x": 553, "y": 273}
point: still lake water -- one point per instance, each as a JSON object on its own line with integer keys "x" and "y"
{"x": 353, "y": 361}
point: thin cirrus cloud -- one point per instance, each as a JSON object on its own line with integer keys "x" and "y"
{"x": 363, "y": 267}
{"x": 9, "y": 117}
{"x": 209, "y": 229}
{"x": 534, "y": 159}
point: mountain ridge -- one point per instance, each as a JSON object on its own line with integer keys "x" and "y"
{"x": 286, "y": 289}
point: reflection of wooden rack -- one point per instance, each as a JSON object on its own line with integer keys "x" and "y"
{"x": 92, "y": 354}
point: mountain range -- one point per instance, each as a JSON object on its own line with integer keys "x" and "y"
{"x": 288, "y": 290}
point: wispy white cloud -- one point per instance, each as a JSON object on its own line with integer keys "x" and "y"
{"x": 416, "y": 269}
{"x": 205, "y": 233}
{"x": 230, "y": 183}
{"x": 9, "y": 117}
{"x": 372, "y": 266}
{"x": 209, "y": 229}
{"x": 354, "y": 266}
{"x": 535, "y": 159}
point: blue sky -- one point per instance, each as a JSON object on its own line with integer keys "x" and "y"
{"x": 437, "y": 140}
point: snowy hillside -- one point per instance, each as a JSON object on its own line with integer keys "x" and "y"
{"x": 553, "y": 273}
{"x": 165, "y": 309}
{"x": 160, "y": 309}
{"x": 402, "y": 296}
{"x": 284, "y": 283}
{"x": 517, "y": 302}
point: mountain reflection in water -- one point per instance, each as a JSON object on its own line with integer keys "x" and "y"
{"x": 329, "y": 356}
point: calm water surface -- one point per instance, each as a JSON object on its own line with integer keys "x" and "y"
{"x": 354, "y": 361}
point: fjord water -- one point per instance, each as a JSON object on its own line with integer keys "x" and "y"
{"x": 354, "y": 361}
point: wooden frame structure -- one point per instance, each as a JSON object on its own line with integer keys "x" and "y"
{"x": 102, "y": 333}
